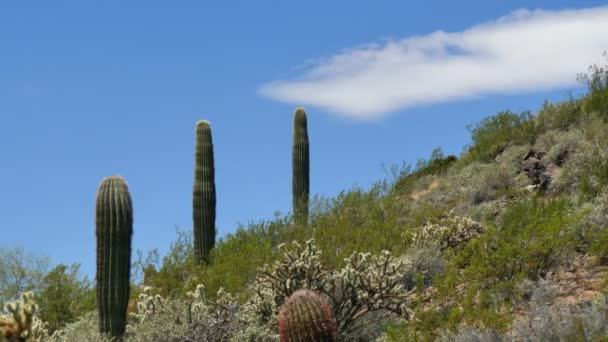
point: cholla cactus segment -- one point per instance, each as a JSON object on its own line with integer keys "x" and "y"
{"x": 449, "y": 231}
{"x": 21, "y": 323}
{"x": 300, "y": 268}
{"x": 306, "y": 317}
{"x": 148, "y": 304}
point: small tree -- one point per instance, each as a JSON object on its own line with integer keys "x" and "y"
{"x": 20, "y": 272}
{"x": 64, "y": 296}
{"x": 596, "y": 82}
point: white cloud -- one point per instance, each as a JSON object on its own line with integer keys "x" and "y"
{"x": 522, "y": 52}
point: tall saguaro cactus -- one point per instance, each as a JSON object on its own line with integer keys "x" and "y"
{"x": 301, "y": 165}
{"x": 306, "y": 317}
{"x": 203, "y": 194}
{"x": 114, "y": 228}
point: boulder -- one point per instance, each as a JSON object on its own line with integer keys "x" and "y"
{"x": 539, "y": 171}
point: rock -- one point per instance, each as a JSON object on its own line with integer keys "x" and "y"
{"x": 530, "y": 164}
{"x": 531, "y": 187}
{"x": 538, "y": 170}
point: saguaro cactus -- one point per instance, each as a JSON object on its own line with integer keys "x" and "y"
{"x": 301, "y": 165}
{"x": 114, "y": 228}
{"x": 203, "y": 194}
{"x": 306, "y": 317}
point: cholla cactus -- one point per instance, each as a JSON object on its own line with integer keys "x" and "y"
{"x": 306, "y": 317}
{"x": 449, "y": 231}
{"x": 195, "y": 318}
{"x": 367, "y": 283}
{"x": 219, "y": 313}
{"x": 300, "y": 268}
{"x": 148, "y": 305}
{"x": 21, "y": 323}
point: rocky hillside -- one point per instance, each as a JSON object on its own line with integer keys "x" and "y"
{"x": 507, "y": 241}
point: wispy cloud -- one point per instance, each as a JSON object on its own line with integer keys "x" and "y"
{"x": 521, "y": 52}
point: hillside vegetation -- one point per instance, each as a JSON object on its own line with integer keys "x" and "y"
{"x": 507, "y": 241}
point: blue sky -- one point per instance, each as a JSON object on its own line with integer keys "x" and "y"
{"x": 90, "y": 89}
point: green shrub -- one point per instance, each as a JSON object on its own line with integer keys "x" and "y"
{"x": 585, "y": 173}
{"x": 560, "y": 116}
{"x": 436, "y": 165}
{"x": 493, "y": 134}
{"x": 179, "y": 272}
{"x": 596, "y": 82}
{"x": 530, "y": 238}
{"x": 64, "y": 296}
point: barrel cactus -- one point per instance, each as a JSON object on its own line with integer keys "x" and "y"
{"x": 114, "y": 227}
{"x": 301, "y": 165}
{"x": 306, "y": 317}
{"x": 203, "y": 194}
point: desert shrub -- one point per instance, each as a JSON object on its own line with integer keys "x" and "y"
{"x": 450, "y": 193}
{"x": 179, "y": 272}
{"x": 361, "y": 221}
{"x": 560, "y": 116}
{"x": 594, "y": 227}
{"x": 523, "y": 243}
{"x": 561, "y": 322}
{"x": 599, "y": 244}
{"x": 436, "y": 165}
{"x": 471, "y": 334}
{"x": 493, "y": 134}
{"x": 529, "y": 239}
{"x": 236, "y": 258}
{"x": 64, "y": 296}
{"x": 193, "y": 319}
{"x": 356, "y": 220}
{"x": 546, "y": 322}
{"x": 234, "y": 261}
{"x": 427, "y": 261}
{"x": 586, "y": 171}
{"x": 543, "y": 320}
{"x": 512, "y": 156}
{"x": 447, "y": 231}
{"x": 20, "y": 272}
{"x": 596, "y": 81}
{"x": 490, "y": 181}
{"x": 86, "y": 328}
{"x": 427, "y": 326}
{"x": 468, "y": 188}
{"x": 555, "y": 144}
{"x": 364, "y": 293}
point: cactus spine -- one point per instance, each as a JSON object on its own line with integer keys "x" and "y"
{"x": 306, "y": 317}
{"x": 114, "y": 227}
{"x": 301, "y": 165}
{"x": 203, "y": 194}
